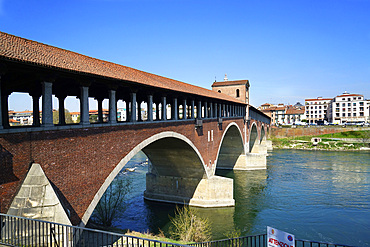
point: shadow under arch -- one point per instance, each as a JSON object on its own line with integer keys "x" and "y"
{"x": 253, "y": 137}
{"x": 231, "y": 147}
{"x": 167, "y": 152}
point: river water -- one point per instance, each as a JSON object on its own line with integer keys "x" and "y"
{"x": 315, "y": 195}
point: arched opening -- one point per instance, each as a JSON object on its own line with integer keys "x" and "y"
{"x": 219, "y": 91}
{"x": 263, "y": 135}
{"x": 174, "y": 172}
{"x": 252, "y": 139}
{"x": 231, "y": 148}
{"x": 237, "y": 93}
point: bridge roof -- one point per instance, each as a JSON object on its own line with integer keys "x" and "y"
{"x": 32, "y": 52}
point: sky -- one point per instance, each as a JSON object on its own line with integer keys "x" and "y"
{"x": 289, "y": 50}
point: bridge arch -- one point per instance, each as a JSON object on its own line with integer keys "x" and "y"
{"x": 253, "y": 138}
{"x": 231, "y": 147}
{"x": 159, "y": 148}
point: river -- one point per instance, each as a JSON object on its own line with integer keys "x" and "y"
{"x": 315, "y": 195}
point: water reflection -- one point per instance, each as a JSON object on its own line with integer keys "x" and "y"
{"x": 316, "y": 195}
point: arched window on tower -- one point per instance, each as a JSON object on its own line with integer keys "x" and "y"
{"x": 237, "y": 93}
{"x": 219, "y": 91}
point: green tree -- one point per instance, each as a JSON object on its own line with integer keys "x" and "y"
{"x": 67, "y": 115}
{"x": 111, "y": 205}
{"x": 189, "y": 227}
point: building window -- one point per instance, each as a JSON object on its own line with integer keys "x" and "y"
{"x": 343, "y": 104}
{"x": 349, "y": 109}
{"x": 361, "y": 103}
{"x": 315, "y": 107}
{"x": 337, "y": 114}
{"x": 349, "y": 104}
{"x": 337, "y": 110}
{"x": 361, "y": 114}
{"x": 319, "y": 107}
{"x": 343, "y": 114}
{"x": 354, "y": 109}
{"x": 237, "y": 93}
{"x": 354, "y": 114}
{"x": 337, "y": 104}
{"x": 361, "y": 108}
{"x": 349, "y": 114}
{"x": 349, "y": 99}
{"x": 219, "y": 91}
{"x": 344, "y": 109}
{"x": 343, "y": 98}
{"x": 354, "y": 104}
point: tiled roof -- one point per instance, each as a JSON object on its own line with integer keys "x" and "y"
{"x": 317, "y": 99}
{"x": 345, "y": 95}
{"x": 291, "y": 111}
{"x": 28, "y": 51}
{"x": 229, "y": 83}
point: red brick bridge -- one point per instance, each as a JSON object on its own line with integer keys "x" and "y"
{"x": 185, "y": 131}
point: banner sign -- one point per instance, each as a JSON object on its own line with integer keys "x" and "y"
{"x": 277, "y": 238}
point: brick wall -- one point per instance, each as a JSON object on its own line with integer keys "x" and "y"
{"x": 311, "y": 131}
{"x": 77, "y": 161}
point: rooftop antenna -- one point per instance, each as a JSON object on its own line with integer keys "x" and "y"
{"x": 225, "y": 79}
{"x": 215, "y": 78}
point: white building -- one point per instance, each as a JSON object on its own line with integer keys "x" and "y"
{"x": 350, "y": 108}
{"x": 316, "y": 109}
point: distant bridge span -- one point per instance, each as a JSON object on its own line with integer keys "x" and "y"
{"x": 186, "y": 132}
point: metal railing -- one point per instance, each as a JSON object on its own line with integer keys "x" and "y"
{"x": 261, "y": 241}
{"x": 19, "y": 231}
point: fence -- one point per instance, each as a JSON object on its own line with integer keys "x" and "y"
{"x": 19, "y": 231}
{"x": 261, "y": 241}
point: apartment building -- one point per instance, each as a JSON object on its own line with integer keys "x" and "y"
{"x": 316, "y": 109}
{"x": 349, "y": 108}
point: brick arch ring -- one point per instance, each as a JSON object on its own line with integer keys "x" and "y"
{"x": 124, "y": 161}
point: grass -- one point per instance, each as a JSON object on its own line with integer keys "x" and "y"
{"x": 304, "y": 142}
{"x": 349, "y": 134}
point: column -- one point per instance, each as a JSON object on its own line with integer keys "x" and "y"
{"x": 175, "y": 115}
{"x": 133, "y": 107}
{"x": 205, "y": 109}
{"x": 62, "y": 116}
{"x": 84, "y": 105}
{"x": 199, "y": 110}
{"x": 184, "y": 110}
{"x": 211, "y": 110}
{"x": 192, "y": 109}
{"x": 47, "y": 104}
{"x": 1, "y": 109}
{"x": 157, "y": 116}
{"x": 164, "y": 108}
{"x": 216, "y": 115}
{"x": 35, "y": 109}
{"x": 112, "y": 107}
{"x": 224, "y": 110}
{"x": 219, "y": 110}
{"x": 150, "y": 108}
{"x": 100, "y": 109}
{"x": 139, "y": 117}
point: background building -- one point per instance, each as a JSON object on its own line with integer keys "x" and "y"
{"x": 237, "y": 89}
{"x": 316, "y": 109}
{"x": 284, "y": 114}
{"x": 349, "y": 108}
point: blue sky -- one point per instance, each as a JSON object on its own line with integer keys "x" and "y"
{"x": 288, "y": 49}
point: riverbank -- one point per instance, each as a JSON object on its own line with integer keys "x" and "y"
{"x": 345, "y": 141}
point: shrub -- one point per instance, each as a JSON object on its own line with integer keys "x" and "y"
{"x": 188, "y": 227}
